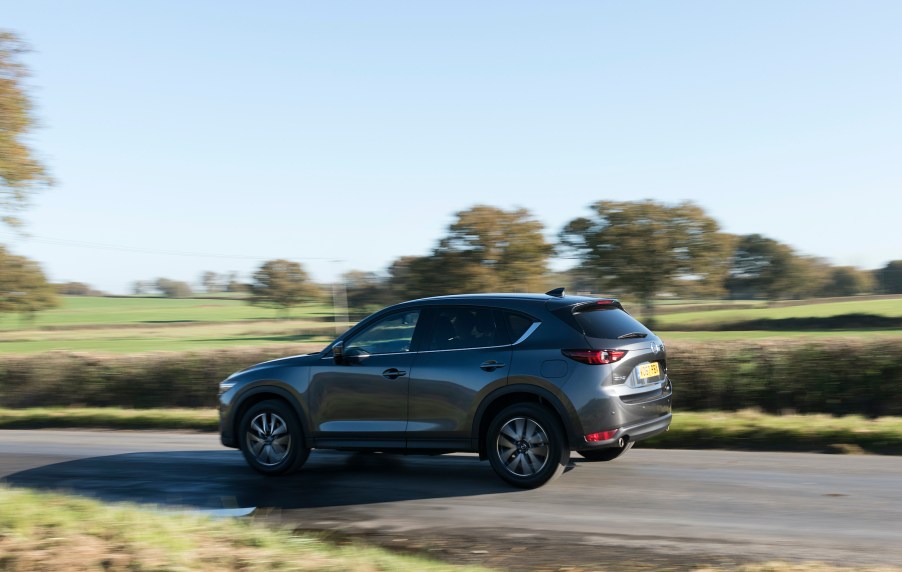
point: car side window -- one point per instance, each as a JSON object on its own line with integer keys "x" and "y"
{"x": 465, "y": 327}
{"x": 391, "y": 334}
{"x": 517, "y": 324}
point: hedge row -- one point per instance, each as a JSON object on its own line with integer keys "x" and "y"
{"x": 840, "y": 377}
{"x": 141, "y": 381}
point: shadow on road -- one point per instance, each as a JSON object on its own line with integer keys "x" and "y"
{"x": 220, "y": 479}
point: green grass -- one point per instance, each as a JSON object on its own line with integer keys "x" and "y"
{"x": 887, "y": 308}
{"x": 308, "y": 335}
{"x": 109, "y": 418}
{"x": 755, "y": 431}
{"x": 740, "y": 430}
{"x": 134, "y": 325}
{"x": 43, "y": 531}
{"x": 746, "y": 335}
{"x": 88, "y": 310}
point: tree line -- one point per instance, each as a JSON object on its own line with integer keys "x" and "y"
{"x": 641, "y": 250}
{"x": 636, "y": 249}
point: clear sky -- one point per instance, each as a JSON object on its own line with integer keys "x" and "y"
{"x": 191, "y": 136}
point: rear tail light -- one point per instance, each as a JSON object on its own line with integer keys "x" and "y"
{"x": 603, "y": 436}
{"x": 595, "y": 357}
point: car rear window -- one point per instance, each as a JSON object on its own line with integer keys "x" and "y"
{"x": 607, "y": 322}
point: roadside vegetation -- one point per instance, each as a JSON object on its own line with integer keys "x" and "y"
{"x": 43, "y": 531}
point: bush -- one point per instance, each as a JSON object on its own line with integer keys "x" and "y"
{"x": 139, "y": 381}
{"x": 839, "y": 377}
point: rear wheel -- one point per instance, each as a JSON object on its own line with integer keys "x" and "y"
{"x": 525, "y": 445}
{"x": 606, "y": 454}
{"x": 271, "y": 438}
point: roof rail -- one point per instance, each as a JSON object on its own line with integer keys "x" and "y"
{"x": 557, "y": 293}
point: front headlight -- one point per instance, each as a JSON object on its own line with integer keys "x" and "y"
{"x": 228, "y": 383}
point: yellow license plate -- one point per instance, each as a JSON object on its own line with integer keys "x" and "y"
{"x": 649, "y": 370}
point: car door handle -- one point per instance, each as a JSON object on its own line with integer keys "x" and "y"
{"x": 491, "y": 365}
{"x": 393, "y": 373}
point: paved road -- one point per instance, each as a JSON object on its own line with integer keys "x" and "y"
{"x": 652, "y": 508}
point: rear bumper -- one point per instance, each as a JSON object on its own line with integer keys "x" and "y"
{"x": 647, "y": 429}
{"x": 634, "y": 432}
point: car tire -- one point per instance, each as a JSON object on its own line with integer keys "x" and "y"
{"x": 606, "y": 454}
{"x": 526, "y": 445}
{"x": 271, "y": 438}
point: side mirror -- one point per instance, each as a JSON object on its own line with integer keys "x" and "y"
{"x": 338, "y": 353}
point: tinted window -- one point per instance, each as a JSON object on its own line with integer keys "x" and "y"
{"x": 517, "y": 324}
{"x": 458, "y": 328}
{"x": 608, "y": 322}
{"x": 391, "y": 334}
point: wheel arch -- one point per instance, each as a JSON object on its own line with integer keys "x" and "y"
{"x": 519, "y": 393}
{"x": 263, "y": 393}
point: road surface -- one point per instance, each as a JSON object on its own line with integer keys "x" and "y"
{"x": 649, "y": 509}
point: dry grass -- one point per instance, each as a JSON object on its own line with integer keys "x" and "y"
{"x": 40, "y": 531}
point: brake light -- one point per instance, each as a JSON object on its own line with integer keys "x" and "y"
{"x": 595, "y": 357}
{"x": 603, "y": 436}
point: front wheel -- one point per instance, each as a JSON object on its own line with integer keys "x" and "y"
{"x": 606, "y": 454}
{"x": 526, "y": 446}
{"x": 271, "y": 438}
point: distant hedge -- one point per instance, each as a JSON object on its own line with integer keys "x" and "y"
{"x": 141, "y": 381}
{"x": 839, "y": 376}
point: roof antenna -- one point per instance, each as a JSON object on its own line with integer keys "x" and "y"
{"x": 557, "y": 293}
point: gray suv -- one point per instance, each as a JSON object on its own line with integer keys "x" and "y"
{"x": 520, "y": 379}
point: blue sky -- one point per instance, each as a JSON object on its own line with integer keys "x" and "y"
{"x": 191, "y": 136}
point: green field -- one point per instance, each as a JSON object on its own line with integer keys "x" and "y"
{"x": 137, "y": 325}
{"x": 88, "y": 310}
{"x": 886, "y": 307}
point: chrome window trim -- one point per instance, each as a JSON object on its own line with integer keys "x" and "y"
{"x": 529, "y": 331}
{"x": 330, "y": 357}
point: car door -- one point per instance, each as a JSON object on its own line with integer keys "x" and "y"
{"x": 465, "y": 355}
{"x": 362, "y": 402}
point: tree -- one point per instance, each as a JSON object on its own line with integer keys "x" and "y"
{"x": 280, "y": 284}
{"x": 21, "y": 173}
{"x": 806, "y": 277}
{"x": 760, "y": 265}
{"x": 439, "y": 275}
{"x": 890, "y": 277}
{"x": 211, "y": 282}
{"x": 173, "y": 288}
{"x": 642, "y": 248}
{"x": 23, "y": 287}
{"x": 848, "y": 281}
{"x": 76, "y": 289}
{"x": 365, "y": 290}
{"x": 488, "y": 248}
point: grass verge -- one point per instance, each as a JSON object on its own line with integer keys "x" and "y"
{"x": 109, "y": 418}
{"x": 751, "y": 430}
{"x": 41, "y": 531}
{"x": 746, "y": 430}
